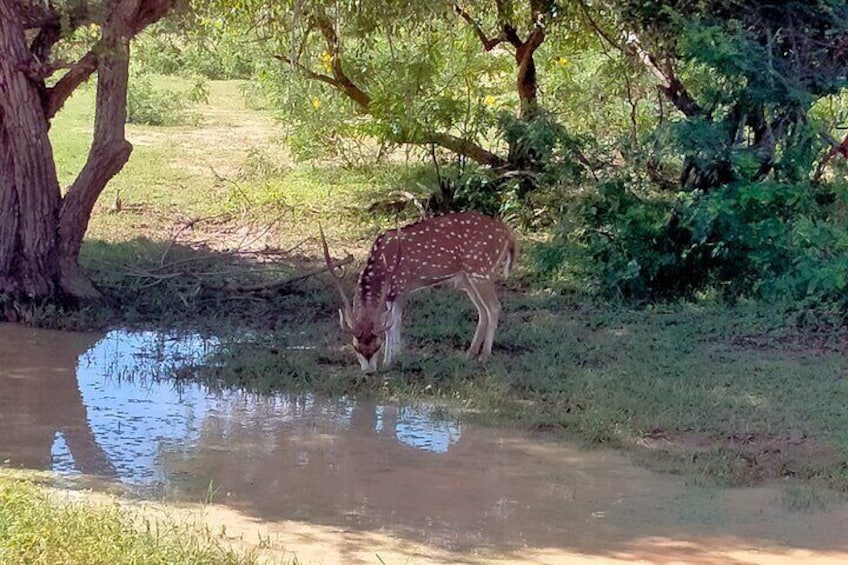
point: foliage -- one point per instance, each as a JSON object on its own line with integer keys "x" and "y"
{"x": 728, "y": 191}
{"x": 413, "y": 88}
{"x": 357, "y": 80}
{"x": 547, "y": 157}
{"x": 769, "y": 240}
{"x": 149, "y": 105}
{"x": 746, "y": 80}
{"x": 176, "y": 47}
{"x": 630, "y": 250}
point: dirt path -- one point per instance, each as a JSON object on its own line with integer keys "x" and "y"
{"x": 311, "y": 544}
{"x": 327, "y": 545}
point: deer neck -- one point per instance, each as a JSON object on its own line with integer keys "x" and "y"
{"x": 374, "y": 289}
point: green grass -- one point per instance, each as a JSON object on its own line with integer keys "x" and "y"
{"x": 679, "y": 388}
{"x": 213, "y": 211}
{"x": 39, "y": 527}
{"x": 229, "y": 171}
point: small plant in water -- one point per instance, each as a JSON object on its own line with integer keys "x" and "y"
{"x": 803, "y": 498}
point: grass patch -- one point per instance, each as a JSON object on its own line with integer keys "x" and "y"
{"x": 805, "y": 498}
{"x": 39, "y": 527}
{"x": 673, "y": 386}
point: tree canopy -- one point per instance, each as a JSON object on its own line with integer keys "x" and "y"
{"x": 669, "y": 145}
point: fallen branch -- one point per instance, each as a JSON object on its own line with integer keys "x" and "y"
{"x": 274, "y": 285}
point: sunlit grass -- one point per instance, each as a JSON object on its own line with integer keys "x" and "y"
{"x": 39, "y": 527}
{"x": 232, "y": 167}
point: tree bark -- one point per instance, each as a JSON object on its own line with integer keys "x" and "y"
{"x": 527, "y": 84}
{"x": 29, "y": 189}
{"x": 109, "y": 150}
{"x": 41, "y": 233}
{"x": 526, "y": 81}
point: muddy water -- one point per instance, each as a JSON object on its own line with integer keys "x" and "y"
{"x": 440, "y": 491}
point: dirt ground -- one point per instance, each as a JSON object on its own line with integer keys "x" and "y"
{"x": 312, "y": 544}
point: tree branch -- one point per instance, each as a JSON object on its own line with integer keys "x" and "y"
{"x": 511, "y": 35}
{"x": 524, "y": 55}
{"x": 310, "y": 73}
{"x": 669, "y": 85}
{"x": 109, "y": 148}
{"x": 488, "y": 44}
{"x": 58, "y": 94}
{"x": 596, "y": 27}
{"x": 274, "y": 285}
{"x": 150, "y": 12}
{"x": 459, "y": 146}
{"x": 836, "y": 148}
{"x": 333, "y": 47}
{"x": 340, "y": 81}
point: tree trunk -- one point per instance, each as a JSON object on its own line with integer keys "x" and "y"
{"x": 109, "y": 150}
{"x": 41, "y": 233}
{"x": 29, "y": 189}
{"x": 527, "y": 83}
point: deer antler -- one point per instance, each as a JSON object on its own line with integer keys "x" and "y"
{"x": 346, "y": 311}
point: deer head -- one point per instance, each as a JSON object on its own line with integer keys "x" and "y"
{"x": 365, "y": 319}
{"x": 466, "y": 249}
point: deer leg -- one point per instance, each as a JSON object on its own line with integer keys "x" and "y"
{"x": 392, "y": 345}
{"x": 482, "y": 319}
{"x": 489, "y": 297}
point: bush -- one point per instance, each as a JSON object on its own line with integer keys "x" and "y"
{"x": 766, "y": 240}
{"x": 543, "y": 166}
{"x": 635, "y": 246}
{"x": 152, "y": 106}
{"x": 171, "y": 47}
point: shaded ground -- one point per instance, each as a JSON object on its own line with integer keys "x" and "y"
{"x": 761, "y": 455}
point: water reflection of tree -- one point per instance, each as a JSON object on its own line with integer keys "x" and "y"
{"x": 40, "y": 396}
{"x": 300, "y": 463}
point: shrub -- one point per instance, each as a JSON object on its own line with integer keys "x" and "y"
{"x": 152, "y": 106}
{"x": 767, "y": 240}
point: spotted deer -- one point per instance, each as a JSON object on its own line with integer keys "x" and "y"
{"x": 466, "y": 249}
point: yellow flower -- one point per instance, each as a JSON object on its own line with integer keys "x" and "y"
{"x": 327, "y": 61}
{"x": 562, "y": 62}
{"x": 316, "y": 103}
{"x": 489, "y": 100}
